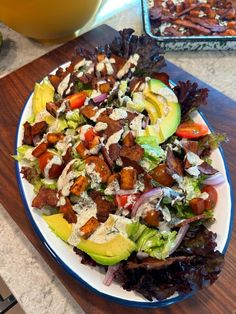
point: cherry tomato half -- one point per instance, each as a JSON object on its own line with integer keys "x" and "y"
{"x": 210, "y": 202}
{"x": 44, "y": 159}
{"x": 77, "y": 100}
{"x": 90, "y": 135}
{"x": 55, "y": 170}
{"x": 191, "y": 130}
{"x": 127, "y": 200}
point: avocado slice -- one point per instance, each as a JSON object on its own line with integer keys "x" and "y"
{"x": 163, "y": 109}
{"x": 59, "y": 226}
{"x": 152, "y": 111}
{"x": 159, "y": 88}
{"x": 108, "y": 253}
{"x": 170, "y": 123}
{"x": 43, "y": 93}
{"x": 158, "y": 102}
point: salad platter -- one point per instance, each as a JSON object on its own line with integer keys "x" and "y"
{"x": 127, "y": 186}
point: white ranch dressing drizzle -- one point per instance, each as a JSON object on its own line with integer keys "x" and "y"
{"x": 118, "y": 113}
{"x": 95, "y": 117}
{"x": 65, "y": 182}
{"x": 63, "y": 84}
{"x": 124, "y": 70}
{"x": 114, "y": 138}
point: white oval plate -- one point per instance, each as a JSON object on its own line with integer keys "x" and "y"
{"x": 92, "y": 277}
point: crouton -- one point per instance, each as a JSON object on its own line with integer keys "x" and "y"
{"x": 40, "y": 149}
{"x": 89, "y": 227}
{"x": 53, "y": 138}
{"x": 79, "y": 185}
{"x": 128, "y": 178}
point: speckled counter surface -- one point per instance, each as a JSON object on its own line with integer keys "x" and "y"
{"x": 21, "y": 266}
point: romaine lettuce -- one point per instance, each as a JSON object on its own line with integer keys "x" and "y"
{"x": 153, "y": 153}
{"x": 151, "y": 241}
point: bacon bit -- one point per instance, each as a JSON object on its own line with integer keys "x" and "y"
{"x": 173, "y": 31}
{"x": 192, "y": 7}
{"x": 129, "y": 140}
{"x": 45, "y": 197}
{"x": 100, "y": 166}
{"x": 174, "y": 164}
{"x": 153, "y": 263}
{"x": 134, "y": 153}
{"x": 68, "y": 156}
{"x": 68, "y": 212}
{"x": 205, "y": 23}
{"x": 200, "y": 29}
{"x": 27, "y": 138}
{"x": 39, "y": 128}
{"x": 104, "y": 207}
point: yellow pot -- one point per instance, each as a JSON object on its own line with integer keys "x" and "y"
{"x": 47, "y": 19}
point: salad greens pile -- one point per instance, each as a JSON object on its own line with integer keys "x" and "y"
{"x": 120, "y": 170}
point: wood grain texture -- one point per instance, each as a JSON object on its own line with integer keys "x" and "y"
{"x": 15, "y": 88}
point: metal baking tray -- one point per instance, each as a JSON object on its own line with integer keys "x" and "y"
{"x": 192, "y": 43}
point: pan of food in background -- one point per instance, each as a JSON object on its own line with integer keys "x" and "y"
{"x": 191, "y": 24}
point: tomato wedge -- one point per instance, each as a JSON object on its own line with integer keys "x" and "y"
{"x": 77, "y": 100}
{"x": 211, "y": 201}
{"x": 44, "y": 159}
{"x": 90, "y": 135}
{"x": 126, "y": 200}
{"x": 191, "y": 130}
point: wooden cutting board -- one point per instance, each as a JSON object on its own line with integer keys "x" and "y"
{"x": 14, "y": 89}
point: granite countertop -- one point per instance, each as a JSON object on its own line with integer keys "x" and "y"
{"x": 21, "y": 266}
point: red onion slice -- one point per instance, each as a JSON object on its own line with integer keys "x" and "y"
{"x": 179, "y": 238}
{"x": 215, "y": 179}
{"x": 100, "y": 98}
{"x": 110, "y": 274}
{"x": 144, "y": 198}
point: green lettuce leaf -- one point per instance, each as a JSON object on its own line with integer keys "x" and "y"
{"x": 151, "y": 241}
{"x": 153, "y": 153}
{"x": 24, "y": 153}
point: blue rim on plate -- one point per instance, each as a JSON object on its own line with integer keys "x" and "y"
{"x": 154, "y": 304}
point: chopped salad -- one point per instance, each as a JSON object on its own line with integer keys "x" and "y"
{"x": 120, "y": 170}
